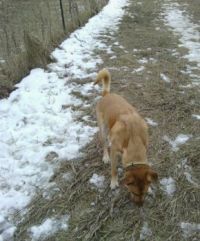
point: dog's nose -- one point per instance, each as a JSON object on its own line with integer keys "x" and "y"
{"x": 139, "y": 203}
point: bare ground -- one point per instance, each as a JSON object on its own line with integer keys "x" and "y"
{"x": 105, "y": 215}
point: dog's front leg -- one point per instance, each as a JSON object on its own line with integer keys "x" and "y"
{"x": 114, "y": 178}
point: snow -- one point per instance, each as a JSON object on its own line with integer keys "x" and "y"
{"x": 189, "y": 229}
{"x": 145, "y": 231}
{"x": 165, "y": 78}
{"x": 67, "y": 176}
{"x": 140, "y": 69}
{"x": 187, "y": 30}
{"x": 168, "y": 186}
{"x": 97, "y": 181}
{"x": 196, "y": 116}
{"x": 37, "y": 118}
{"x": 6, "y": 230}
{"x": 113, "y": 57}
{"x": 49, "y": 227}
{"x": 187, "y": 170}
{"x": 34, "y": 124}
{"x": 180, "y": 140}
{"x": 143, "y": 61}
{"x": 78, "y": 50}
{"x": 151, "y": 122}
{"x": 190, "y": 179}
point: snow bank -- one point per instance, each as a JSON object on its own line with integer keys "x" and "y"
{"x": 37, "y": 118}
{"x": 49, "y": 227}
{"x": 34, "y": 124}
{"x": 188, "y": 32}
{"x": 6, "y": 230}
{"x": 78, "y": 51}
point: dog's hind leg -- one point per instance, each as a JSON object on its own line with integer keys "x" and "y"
{"x": 114, "y": 178}
{"x": 104, "y": 138}
{"x": 106, "y": 158}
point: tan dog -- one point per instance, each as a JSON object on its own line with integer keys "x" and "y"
{"x": 126, "y": 131}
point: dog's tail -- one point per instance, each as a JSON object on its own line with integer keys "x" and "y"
{"x": 105, "y": 77}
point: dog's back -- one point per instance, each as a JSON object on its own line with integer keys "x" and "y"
{"x": 112, "y": 106}
{"x": 113, "y": 109}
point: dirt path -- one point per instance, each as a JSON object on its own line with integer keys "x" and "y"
{"x": 148, "y": 69}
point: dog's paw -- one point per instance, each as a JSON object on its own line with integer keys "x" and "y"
{"x": 106, "y": 158}
{"x": 114, "y": 184}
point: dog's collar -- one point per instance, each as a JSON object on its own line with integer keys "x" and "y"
{"x": 135, "y": 165}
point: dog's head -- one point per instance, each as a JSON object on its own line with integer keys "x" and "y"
{"x": 138, "y": 179}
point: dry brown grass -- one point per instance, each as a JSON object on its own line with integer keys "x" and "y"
{"x": 113, "y": 217}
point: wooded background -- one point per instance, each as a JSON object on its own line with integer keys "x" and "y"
{"x": 29, "y": 30}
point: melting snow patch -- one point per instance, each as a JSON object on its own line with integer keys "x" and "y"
{"x": 32, "y": 125}
{"x": 113, "y": 57}
{"x": 180, "y": 140}
{"x": 165, "y": 78}
{"x": 196, "y": 116}
{"x": 151, "y": 122}
{"x": 49, "y": 227}
{"x": 153, "y": 61}
{"x": 191, "y": 179}
{"x": 190, "y": 229}
{"x": 188, "y": 31}
{"x": 168, "y": 185}
{"x": 187, "y": 172}
{"x": 140, "y": 69}
{"x": 67, "y": 176}
{"x": 143, "y": 61}
{"x": 145, "y": 232}
{"x": 97, "y": 180}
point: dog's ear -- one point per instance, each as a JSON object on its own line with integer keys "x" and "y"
{"x": 152, "y": 176}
